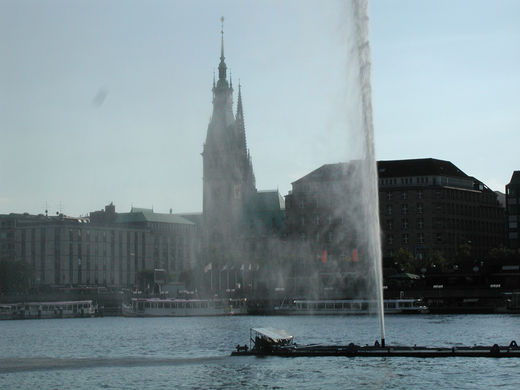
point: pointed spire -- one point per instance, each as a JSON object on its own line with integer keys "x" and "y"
{"x": 222, "y": 66}
{"x": 222, "y": 39}
{"x": 240, "y": 110}
{"x": 241, "y": 127}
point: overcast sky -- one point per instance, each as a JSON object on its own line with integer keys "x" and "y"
{"x": 109, "y": 101}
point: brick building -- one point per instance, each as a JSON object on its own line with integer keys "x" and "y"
{"x": 430, "y": 205}
{"x": 425, "y": 206}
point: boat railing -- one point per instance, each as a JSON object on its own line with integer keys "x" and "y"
{"x": 349, "y": 305}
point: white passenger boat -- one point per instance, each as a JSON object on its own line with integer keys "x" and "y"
{"x": 350, "y": 306}
{"x": 38, "y": 310}
{"x": 157, "y": 307}
{"x": 7, "y": 311}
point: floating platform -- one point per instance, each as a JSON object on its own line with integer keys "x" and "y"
{"x": 269, "y": 342}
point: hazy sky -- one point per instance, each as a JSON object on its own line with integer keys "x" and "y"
{"x": 109, "y": 101}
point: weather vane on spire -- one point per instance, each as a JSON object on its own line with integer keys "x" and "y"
{"x": 222, "y": 23}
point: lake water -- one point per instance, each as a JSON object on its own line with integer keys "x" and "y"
{"x": 182, "y": 353}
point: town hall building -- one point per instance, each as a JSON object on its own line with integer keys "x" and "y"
{"x": 237, "y": 217}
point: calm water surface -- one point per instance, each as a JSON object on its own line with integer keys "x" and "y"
{"x": 177, "y": 353}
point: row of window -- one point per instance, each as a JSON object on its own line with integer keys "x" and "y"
{"x": 404, "y": 195}
{"x": 301, "y": 203}
{"x": 177, "y": 305}
{"x": 406, "y": 180}
{"x": 405, "y": 239}
{"x": 404, "y": 209}
{"x": 317, "y": 220}
{"x": 76, "y": 235}
{"x": 404, "y": 224}
{"x": 86, "y": 274}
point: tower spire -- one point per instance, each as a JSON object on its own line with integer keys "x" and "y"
{"x": 240, "y": 125}
{"x": 222, "y": 39}
{"x": 222, "y": 66}
{"x": 240, "y": 112}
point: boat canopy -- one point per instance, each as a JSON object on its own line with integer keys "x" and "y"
{"x": 274, "y": 336}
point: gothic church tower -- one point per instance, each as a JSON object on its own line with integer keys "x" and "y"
{"x": 228, "y": 180}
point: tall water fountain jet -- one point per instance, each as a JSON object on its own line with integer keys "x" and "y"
{"x": 361, "y": 121}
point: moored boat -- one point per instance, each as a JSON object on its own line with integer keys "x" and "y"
{"x": 159, "y": 307}
{"x": 40, "y": 310}
{"x": 350, "y": 306}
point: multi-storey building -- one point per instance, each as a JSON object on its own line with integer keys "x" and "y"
{"x": 425, "y": 206}
{"x": 429, "y": 205}
{"x": 317, "y": 212}
{"x": 107, "y": 249}
{"x": 168, "y": 241}
{"x": 513, "y": 210}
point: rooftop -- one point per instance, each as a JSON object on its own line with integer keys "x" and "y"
{"x": 147, "y": 215}
{"x": 515, "y": 179}
{"x": 418, "y": 167}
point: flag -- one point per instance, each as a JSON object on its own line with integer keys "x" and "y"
{"x": 324, "y": 256}
{"x": 242, "y": 267}
{"x": 355, "y": 255}
{"x": 208, "y": 267}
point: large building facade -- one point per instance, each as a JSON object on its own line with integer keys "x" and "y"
{"x": 426, "y": 206}
{"x": 317, "y": 212}
{"x": 429, "y": 205}
{"x": 107, "y": 249}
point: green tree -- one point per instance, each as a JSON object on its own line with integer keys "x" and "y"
{"x": 503, "y": 253}
{"x": 404, "y": 260}
{"x": 435, "y": 260}
{"x": 464, "y": 251}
